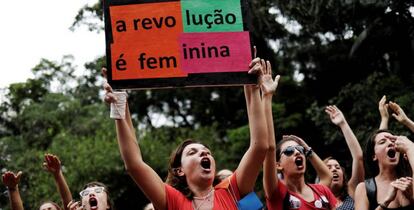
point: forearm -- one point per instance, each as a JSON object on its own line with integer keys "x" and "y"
{"x": 351, "y": 141}
{"x": 143, "y": 175}
{"x": 252, "y": 161}
{"x": 63, "y": 189}
{"x": 128, "y": 145}
{"x": 384, "y": 123}
{"x": 15, "y": 199}
{"x": 257, "y": 120}
{"x": 410, "y": 156}
{"x": 321, "y": 169}
{"x": 358, "y": 171}
{"x": 270, "y": 178}
{"x": 267, "y": 102}
{"x": 248, "y": 96}
{"x": 129, "y": 120}
{"x": 409, "y": 124}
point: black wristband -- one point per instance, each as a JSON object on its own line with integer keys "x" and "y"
{"x": 308, "y": 152}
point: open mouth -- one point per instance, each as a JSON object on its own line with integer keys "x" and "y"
{"x": 391, "y": 153}
{"x": 335, "y": 177}
{"x": 93, "y": 203}
{"x": 205, "y": 163}
{"x": 299, "y": 161}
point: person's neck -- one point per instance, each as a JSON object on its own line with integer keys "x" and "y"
{"x": 387, "y": 173}
{"x": 337, "y": 191}
{"x": 200, "y": 190}
{"x": 203, "y": 194}
{"x": 295, "y": 183}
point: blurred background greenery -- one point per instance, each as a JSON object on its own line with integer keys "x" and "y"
{"x": 349, "y": 53}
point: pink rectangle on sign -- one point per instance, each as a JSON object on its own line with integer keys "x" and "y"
{"x": 215, "y": 52}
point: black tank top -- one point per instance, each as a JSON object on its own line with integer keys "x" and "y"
{"x": 371, "y": 188}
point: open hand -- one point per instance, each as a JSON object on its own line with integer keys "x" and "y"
{"x": 300, "y": 141}
{"x": 383, "y": 108}
{"x": 405, "y": 185}
{"x": 335, "y": 114}
{"x": 402, "y": 143}
{"x": 52, "y": 163}
{"x": 266, "y": 82}
{"x": 398, "y": 114}
{"x": 11, "y": 180}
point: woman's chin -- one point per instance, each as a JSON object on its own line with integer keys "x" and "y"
{"x": 336, "y": 185}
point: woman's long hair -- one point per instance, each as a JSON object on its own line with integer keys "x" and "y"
{"x": 343, "y": 193}
{"x": 173, "y": 178}
{"x": 372, "y": 166}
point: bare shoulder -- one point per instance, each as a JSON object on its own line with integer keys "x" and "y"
{"x": 361, "y": 194}
{"x": 360, "y": 198}
{"x": 360, "y": 189}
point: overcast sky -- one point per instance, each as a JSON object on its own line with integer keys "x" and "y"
{"x": 31, "y": 30}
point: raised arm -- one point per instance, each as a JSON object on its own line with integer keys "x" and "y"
{"x": 358, "y": 171}
{"x": 251, "y": 163}
{"x": 406, "y": 146}
{"x": 320, "y": 167}
{"x": 400, "y": 116}
{"x": 52, "y": 164}
{"x": 11, "y": 181}
{"x": 145, "y": 177}
{"x": 268, "y": 87}
{"x": 383, "y": 110}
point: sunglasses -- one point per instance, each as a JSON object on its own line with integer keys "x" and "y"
{"x": 88, "y": 191}
{"x": 288, "y": 151}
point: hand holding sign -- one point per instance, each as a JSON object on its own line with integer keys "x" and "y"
{"x": 117, "y": 99}
{"x": 154, "y": 44}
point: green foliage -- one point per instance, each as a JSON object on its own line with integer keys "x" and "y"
{"x": 359, "y": 103}
{"x": 90, "y": 16}
{"x": 192, "y": 108}
{"x": 347, "y": 53}
{"x": 64, "y": 121}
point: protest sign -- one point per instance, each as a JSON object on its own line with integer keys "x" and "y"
{"x": 158, "y": 44}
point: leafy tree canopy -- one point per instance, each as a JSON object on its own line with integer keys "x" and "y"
{"x": 349, "y": 53}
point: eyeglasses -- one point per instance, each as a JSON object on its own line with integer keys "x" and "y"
{"x": 88, "y": 191}
{"x": 288, "y": 151}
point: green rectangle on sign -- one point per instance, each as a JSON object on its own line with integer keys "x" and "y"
{"x": 212, "y": 15}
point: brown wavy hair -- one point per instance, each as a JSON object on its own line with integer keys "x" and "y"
{"x": 344, "y": 190}
{"x": 173, "y": 179}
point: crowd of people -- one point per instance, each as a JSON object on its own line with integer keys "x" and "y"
{"x": 193, "y": 183}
